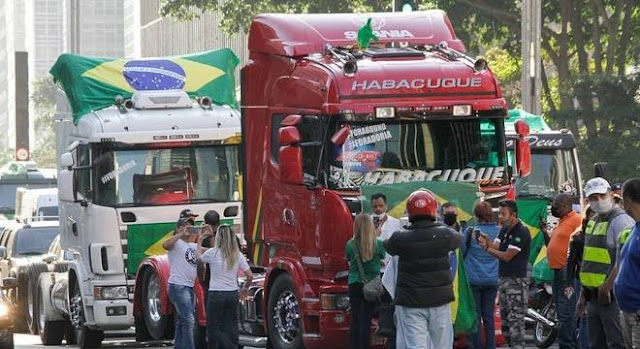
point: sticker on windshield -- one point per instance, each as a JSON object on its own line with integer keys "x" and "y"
{"x": 120, "y": 170}
{"x": 368, "y": 135}
{"x": 361, "y": 160}
{"x": 482, "y": 175}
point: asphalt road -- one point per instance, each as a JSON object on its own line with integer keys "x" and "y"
{"x": 24, "y": 341}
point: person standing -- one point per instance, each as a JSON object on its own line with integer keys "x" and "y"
{"x": 627, "y": 287}
{"x": 181, "y": 249}
{"x": 599, "y": 268}
{"x": 557, "y": 251}
{"x": 449, "y": 213}
{"x": 384, "y": 224}
{"x": 424, "y": 286}
{"x": 511, "y": 248}
{"x": 224, "y": 260}
{"x": 212, "y": 221}
{"x": 364, "y": 253}
{"x": 482, "y": 273}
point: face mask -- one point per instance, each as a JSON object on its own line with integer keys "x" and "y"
{"x": 601, "y": 206}
{"x": 450, "y": 218}
{"x": 378, "y": 216}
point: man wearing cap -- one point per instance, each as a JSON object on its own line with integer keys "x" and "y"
{"x": 599, "y": 265}
{"x": 181, "y": 249}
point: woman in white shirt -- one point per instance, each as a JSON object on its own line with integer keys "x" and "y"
{"x": 224, "y": 262}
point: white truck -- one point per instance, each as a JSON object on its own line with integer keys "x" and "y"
{"x": 126, "y": 172}
{"x": 36, "y": 204}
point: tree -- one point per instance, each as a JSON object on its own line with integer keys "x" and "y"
{"x": 43, "y": 98}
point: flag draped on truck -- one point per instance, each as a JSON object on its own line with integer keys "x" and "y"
{"x": 92, "y": 83}
{"x": 464, "y": 195}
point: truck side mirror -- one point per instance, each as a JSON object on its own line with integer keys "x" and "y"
{"x": 341, "y": 135}
{"x": 523, "y": 149}
{"x": 65, "y": 186}
{"x": 66, "y": 160}
{"x": 290, "y": 155}
{"x": 3, "y": 252}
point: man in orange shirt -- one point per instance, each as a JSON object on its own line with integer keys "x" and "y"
{"x": 570, "y": 221}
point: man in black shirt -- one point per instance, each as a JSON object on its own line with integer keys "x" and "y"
{"x": 512, "y": 250}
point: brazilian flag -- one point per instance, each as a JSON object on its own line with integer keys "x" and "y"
{"x": 531, "y": 212}
{"x": 464, "y": 195}
{"x": 92, "y": 83}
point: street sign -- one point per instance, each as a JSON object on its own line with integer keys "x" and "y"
{"x": 22, "y": 154}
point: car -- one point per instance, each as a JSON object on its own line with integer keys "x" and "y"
{"x": 7, "y": 308}
{"x": 26, "y": 243}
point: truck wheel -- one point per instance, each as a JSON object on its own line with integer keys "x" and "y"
{"x": 84, "y": 336}
{"x": 158, "y": 326}
{"x": 283, "y": 315}
{"x": 20, "y": 325}
{"x": 6, "y": 338}
{"x": 33, "y": 273}
{"x": 51, "y": 332}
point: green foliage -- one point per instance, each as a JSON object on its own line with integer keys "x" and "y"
{"x": 43, "y": 98}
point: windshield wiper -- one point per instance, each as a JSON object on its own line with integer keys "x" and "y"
{"x": 30, "y": 253}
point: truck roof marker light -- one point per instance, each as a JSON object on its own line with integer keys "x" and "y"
{"x": 385, "y": 112}
{"x": 462, "y": 110}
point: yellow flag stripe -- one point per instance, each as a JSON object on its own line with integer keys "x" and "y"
{"x": 197, "y": 74}
{"x": 157, "y": 249}
{"x": 110, "y": 73}
{"x": 456, "y": 288}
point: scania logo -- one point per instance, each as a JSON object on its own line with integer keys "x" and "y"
{"x": 376, "y": 23}
{"x": 421, "y": 203}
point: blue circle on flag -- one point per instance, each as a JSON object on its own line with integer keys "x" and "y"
{"x": 154, "y": 75}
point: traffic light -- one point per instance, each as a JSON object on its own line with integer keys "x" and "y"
{"x": 404, "y": 5}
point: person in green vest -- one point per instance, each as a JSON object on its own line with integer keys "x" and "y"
{"x": 599, "y": 265}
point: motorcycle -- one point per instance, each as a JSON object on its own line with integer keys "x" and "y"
{"x": 542, "y": 313}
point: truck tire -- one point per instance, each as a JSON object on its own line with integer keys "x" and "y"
{"x": 20, "y": 324}
{"x": 33, "y": 273}
{"x": 158, "y": 326}
{"x": 283, "y": 315}
{"x": 51, "y": 332}
{"x": 82, "y": 335}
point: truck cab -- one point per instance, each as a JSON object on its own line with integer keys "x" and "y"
{"x": 322, "y": 117}
{"x": 125, "y": 174}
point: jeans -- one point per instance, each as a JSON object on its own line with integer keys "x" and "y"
{"x": 424, "y": 328}
{"x": 183, "y": 300}
{"x": 485, "y": 297}
{"x": 583, "y": 328}
{"x": 361, "y": 315}
{"x": 222, "y": 319}
{"x": 565, "y": 310}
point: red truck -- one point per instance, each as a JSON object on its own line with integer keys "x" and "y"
{"x": 320, "y": 118}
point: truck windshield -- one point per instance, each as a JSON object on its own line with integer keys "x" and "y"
{"x": 34, "y": 241}
{"x": 409, "y": 151}
{"x": 147, "y": 177}
{"x": 553, "y": 171}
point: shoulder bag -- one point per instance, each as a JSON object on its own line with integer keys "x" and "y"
{"x": 371, "y": 289}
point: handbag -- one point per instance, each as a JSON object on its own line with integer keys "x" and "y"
{"x": 372, "y": 289}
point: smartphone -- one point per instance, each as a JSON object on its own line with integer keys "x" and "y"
{"x": 376, "y": 221}
{"x": 476, "y": 233}
{"x": 194, "y": 229}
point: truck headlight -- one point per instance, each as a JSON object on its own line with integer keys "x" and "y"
{"x": 334, "y": 301}
{"x": 110, "y": 292}
{"x": 4, "y": 310}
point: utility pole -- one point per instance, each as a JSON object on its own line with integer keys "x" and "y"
{"x": 531, "y": 62}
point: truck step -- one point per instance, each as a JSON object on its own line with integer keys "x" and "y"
{"x": 252, "y": 341}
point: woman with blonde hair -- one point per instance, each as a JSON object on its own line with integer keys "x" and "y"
{"x": 363, "y": 248}
{"x": 224, "y": 262}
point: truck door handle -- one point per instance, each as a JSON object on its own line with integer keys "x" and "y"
{"x": 288, "y": 217}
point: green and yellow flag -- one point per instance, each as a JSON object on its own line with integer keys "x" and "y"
{"x": 464, "y": 195}
{"x": 92, "y": 83}
{"x": 531, "y": 212}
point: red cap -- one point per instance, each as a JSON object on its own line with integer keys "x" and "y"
{"x": 422, "y": 203}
